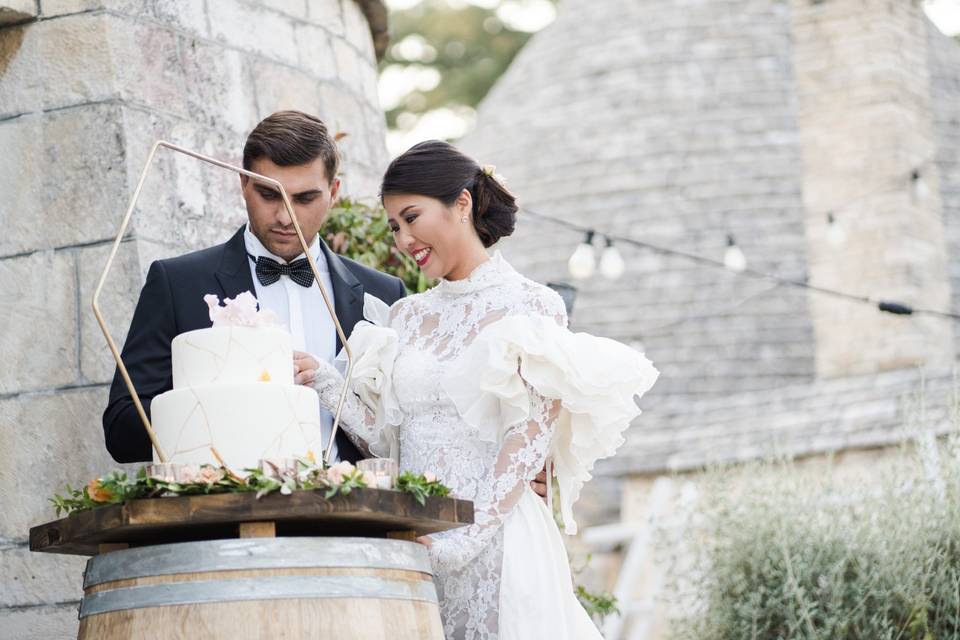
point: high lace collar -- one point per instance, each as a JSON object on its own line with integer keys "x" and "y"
{"x": 487, "y": 274}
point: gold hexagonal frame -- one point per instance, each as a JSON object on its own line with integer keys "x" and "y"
{"x": 116, "y": 246}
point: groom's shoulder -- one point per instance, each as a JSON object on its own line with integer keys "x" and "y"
{"x": 207, "y": 259}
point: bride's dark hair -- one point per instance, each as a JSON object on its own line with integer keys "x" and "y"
{"x": 438, "y": 170}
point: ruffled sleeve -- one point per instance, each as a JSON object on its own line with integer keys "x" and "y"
{"x": 375, "y": 346}
{"x": 596, "y": 380}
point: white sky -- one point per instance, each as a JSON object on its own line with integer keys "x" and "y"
{"x": 528, "y": 15}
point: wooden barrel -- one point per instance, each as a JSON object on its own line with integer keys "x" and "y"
{"x": 358, "y": 588}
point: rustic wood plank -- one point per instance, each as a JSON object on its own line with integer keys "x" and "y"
{"x": 107, "y": 547}
{"x": 363, "y": 512}
{"x": 258, "y": 529}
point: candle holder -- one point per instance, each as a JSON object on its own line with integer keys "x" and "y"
{"x": 384, "y": 470}
{"x": 172, "y": 472}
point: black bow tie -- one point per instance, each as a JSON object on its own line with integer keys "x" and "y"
{"x": 269, "y": 271}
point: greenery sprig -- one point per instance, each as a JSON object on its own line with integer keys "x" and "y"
{"x": 421, "y": 486}
{"x": 303, "y": 475}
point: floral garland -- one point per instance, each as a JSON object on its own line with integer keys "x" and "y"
{"x": 304, "y": 474}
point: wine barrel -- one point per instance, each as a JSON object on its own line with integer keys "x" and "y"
{"x": 358, "y": 588}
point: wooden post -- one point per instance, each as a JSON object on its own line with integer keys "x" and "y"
{"x": 408, "y": 535}
{"x": 258, "y": 529}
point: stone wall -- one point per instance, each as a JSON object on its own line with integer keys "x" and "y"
{"x": 86, "y": 86}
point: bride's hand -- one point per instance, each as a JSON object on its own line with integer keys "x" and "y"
{"x": 304, "y": 367}
{"x": 425, "y": 541}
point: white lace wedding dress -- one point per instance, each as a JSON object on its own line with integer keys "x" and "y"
{"x": 479, "y": 381}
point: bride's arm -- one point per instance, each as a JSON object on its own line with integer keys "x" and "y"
{"x": 357, "y": 419}
{"x": 521, "y": 457}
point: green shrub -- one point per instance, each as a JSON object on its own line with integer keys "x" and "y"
{"x": 779, "y": 552}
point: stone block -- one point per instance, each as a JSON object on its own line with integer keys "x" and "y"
{"x": 218, "y": 90}
{"x": 53, "y": 622}
{"x": 316, "y": 51}
{"x": 63, "y": 174}
{"x": 294, "y": 8}
{"x": 252, "y": 28}
{"x": 39, "y": 578}
{"x": 13, "y": 11}
{"x": 117, "y": 301}
{"x": 149, "y": 69}
{"x": 357, "y": 29}
{"x": 348, "y": 61}
{"x": 39, "y": 337}
{"x": 55, "y": 63}
{"x": 280, "y": 87}
{"x": 53, "y": 8}
{"x": 327, "y": 14}
{"x": 51, "y": 439}
{"x": 343, "y": 114}
{"x": 185, "y": 204}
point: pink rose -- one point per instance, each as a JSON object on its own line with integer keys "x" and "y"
{"x": 210, "y": 475}
{"x": 336, "y": 473}
{"x": 429, "y": 476}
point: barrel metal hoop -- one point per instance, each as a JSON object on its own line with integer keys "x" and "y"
{"x": 256, "y": 553}
{"x": 282, "y": 587}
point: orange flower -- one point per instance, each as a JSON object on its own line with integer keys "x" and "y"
{"x": 97, "y": 493}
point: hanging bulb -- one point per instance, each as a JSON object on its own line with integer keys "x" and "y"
{"x": 611, "y": 262}
{"x": 733, "y": 258}
{"x": 836, "y": 235}
{"x": 583, "y": 262}
{"x": 920, "y": 188}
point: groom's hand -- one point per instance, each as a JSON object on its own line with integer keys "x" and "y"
{"x": 539, "y": 484}
{"x": 304, "y": 368}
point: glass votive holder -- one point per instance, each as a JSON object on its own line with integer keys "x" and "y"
{"x": 172, "y": 472}
{"x": 163, "y": 471}
{"x": 384, "y": 471}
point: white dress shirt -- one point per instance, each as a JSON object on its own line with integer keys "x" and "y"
{"x": 301, "y": 310}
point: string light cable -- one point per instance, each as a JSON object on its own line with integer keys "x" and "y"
{"x": 886, "y": 306}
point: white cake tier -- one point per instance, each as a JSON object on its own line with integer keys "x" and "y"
{"x": 244, "y": 422}
{"x": 232, "y": 354}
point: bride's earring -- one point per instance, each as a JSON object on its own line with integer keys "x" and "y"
{"x": 464, "y": 219}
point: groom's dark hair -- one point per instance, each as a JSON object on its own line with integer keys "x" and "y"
{"x": 439, "y": 170}
{"x": 291, "y": 138}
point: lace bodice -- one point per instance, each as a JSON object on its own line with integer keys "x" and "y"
{"x": 434, "y": 329}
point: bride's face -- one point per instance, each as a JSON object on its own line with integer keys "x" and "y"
{"x": 431, "y": 232}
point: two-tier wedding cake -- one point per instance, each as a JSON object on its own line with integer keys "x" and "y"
{"x": 233, "y": 393}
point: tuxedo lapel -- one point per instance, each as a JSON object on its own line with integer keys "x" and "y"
{"x": 233, "y": 274}
{"x": 347, "y": 293}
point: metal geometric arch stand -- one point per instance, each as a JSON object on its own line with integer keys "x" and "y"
{"x": 121, "y": 367}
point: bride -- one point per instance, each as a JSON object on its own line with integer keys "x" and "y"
{"x": 478, "y": 381}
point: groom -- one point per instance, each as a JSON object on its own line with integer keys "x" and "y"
{"x": 263, "y": 257}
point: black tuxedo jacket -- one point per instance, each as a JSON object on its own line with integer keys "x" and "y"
{"x": 171, "y": 303}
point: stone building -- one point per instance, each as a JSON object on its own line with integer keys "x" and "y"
{"x": 86, "y": 86}
{"x": 678, "y": 123}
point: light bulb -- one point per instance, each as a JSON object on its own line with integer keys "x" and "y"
{"x": 583, "y": 262}
{"x": 733, "y": 257}
{"x": 836, "y": 235}
{"x": 611, "y": 262}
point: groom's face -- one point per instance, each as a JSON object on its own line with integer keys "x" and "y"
{"x": 311, "y": 193}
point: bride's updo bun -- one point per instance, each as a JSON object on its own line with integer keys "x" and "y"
{"x": 436, "y": 169}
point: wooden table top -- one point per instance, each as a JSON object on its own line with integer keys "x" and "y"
{"x": 362, "y": 512}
